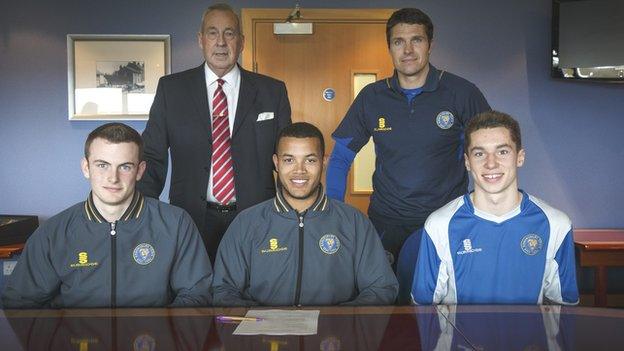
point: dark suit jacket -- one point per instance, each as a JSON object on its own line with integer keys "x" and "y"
{"x": 179, "y": 123}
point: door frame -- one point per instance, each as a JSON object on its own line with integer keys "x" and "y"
{"x": 251, "y": 16}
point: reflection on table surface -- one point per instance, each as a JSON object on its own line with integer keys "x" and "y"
{"x": 339, "y": 328}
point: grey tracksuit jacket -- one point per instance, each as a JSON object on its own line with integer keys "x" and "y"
{"x": 152, "y": 256}
{"x": 331, "y": 254}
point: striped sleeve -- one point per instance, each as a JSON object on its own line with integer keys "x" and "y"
{"x": 567, "y": 293}
{"x": 426, "y": 272}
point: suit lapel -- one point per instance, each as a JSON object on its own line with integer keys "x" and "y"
{"x": 200, "y": 99}
{"x": 246, "y": 99}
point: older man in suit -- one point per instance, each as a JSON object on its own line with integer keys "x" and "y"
{"x": 219, "y": 122}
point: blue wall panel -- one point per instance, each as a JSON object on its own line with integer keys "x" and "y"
{"x": 572, "y": 131}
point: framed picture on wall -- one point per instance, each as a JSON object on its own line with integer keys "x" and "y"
{"x": 114, "y": 77}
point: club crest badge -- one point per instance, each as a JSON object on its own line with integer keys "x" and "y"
{"x": 330, "y": 343}
{"x": 143, "y": 254}
{"x": 329, "y": 244}
{"x": 531, "y": 244}
{"x": 445, "y": 120}
{"x": 144, "y": 342}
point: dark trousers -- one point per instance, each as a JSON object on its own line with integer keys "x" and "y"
{"x": 217, "y": 222}
{"x": 393, "y": 236}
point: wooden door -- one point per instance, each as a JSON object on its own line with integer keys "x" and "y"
{"x": 345, "y": 44}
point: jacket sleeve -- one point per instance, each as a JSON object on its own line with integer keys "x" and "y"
{"x": 560, "y": 282}
{"x": 231, "y": 278}
{"x": 34, "y": 282}
{"x": 426, "y": 288}
{"x": 156, "y": 146}
{"x": 350, "y": 136}
{"x": 338, "y": 169}
{"x": 284, "y": 112}
{"x": 375, "y": 281}
{"x": 191, "y": 274}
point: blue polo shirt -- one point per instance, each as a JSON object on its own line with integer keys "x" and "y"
{"x": 418, "y": 144}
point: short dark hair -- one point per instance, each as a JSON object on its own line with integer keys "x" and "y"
{"x": 115, "y": 133}
{"x": 409, "y": 15}
{"x": 220, "y": 7}
{"x": 301, "y": 130}
{"x": 493, "y": 119}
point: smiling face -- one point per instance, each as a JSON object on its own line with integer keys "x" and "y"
{"x": 410, "y": 49}
{"x": 112, "y": 170}
{"x": 299, "y": 163}
{"x": 220, "y": 40}
{"x": 493, "y": 160}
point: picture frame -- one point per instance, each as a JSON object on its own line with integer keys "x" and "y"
{"x": 114, "y": 77}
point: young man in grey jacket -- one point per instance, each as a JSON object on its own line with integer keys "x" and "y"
{"x": 117, "y": 248}
{"x": 302, "y": 248}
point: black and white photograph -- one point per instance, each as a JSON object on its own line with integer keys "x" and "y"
{"x": 130, "y": 76}
{"x": 114, "y": 77}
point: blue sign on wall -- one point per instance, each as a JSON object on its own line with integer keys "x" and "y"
{"x": 329, "y": 94}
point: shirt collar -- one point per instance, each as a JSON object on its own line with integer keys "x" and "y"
{"x": 494, "y": 218}
{"x": 281, "y": 205}
{"x": 133, "y": 211}
{"x": 230, "y": 78}
{"x": 431, "y": 84}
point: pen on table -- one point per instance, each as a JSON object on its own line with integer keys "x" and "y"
{"x": 238, "y": 319}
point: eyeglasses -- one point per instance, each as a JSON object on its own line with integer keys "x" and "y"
{"x": 214, "y": 34}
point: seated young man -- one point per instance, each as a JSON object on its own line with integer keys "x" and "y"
{"x": 117, "y": 248}
{"x": 497, "y": 244}
{"x": 302, "y": 248}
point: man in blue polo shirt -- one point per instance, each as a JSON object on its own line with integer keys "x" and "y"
{"x": 497, "y": 244}
{"x": 416, "y": 119}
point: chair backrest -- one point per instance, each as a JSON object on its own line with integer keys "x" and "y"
{"x": 406, "y": 265}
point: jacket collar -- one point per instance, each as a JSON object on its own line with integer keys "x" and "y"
{"x": 133, "y": 211}
{"x": 282, "y": 206}
{"x": 431, "y": 84}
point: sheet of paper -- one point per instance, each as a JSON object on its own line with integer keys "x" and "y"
{"x": 280, "y": 322}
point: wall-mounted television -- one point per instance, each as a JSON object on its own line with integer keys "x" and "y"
{"x": 588, "y": 40}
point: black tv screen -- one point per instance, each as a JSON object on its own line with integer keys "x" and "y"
{"x": 588, "y": 40}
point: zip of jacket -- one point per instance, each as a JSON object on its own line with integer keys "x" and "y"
{"x": 300, "y": 268}
{"x": 113, "y": 235}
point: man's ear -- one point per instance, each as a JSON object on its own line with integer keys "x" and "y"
{"x": 521, "y": 155}
{"x": 84, "y": 166}
{"x": 199, "y": 40}
{"x": 141, "y": 170}
{"x": 275, "y": 161}
{"x": 466, "y": 163}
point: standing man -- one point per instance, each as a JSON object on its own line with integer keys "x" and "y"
{"x": 302, "y": 248}
{"x": 117, "y": 248}
{"x": 219, "y": 123}
{"x": 416, "y": 119}
{"x": 497, "y": 244}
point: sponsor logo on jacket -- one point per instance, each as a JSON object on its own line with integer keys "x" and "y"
{"x": 468, "y": 248}
{"x": 274, "y": 247}
{"x": 83, "y": 261}
{"x": 382, "y": 126}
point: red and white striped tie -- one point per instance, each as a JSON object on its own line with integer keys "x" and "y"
{"x": 222, "y": 169}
